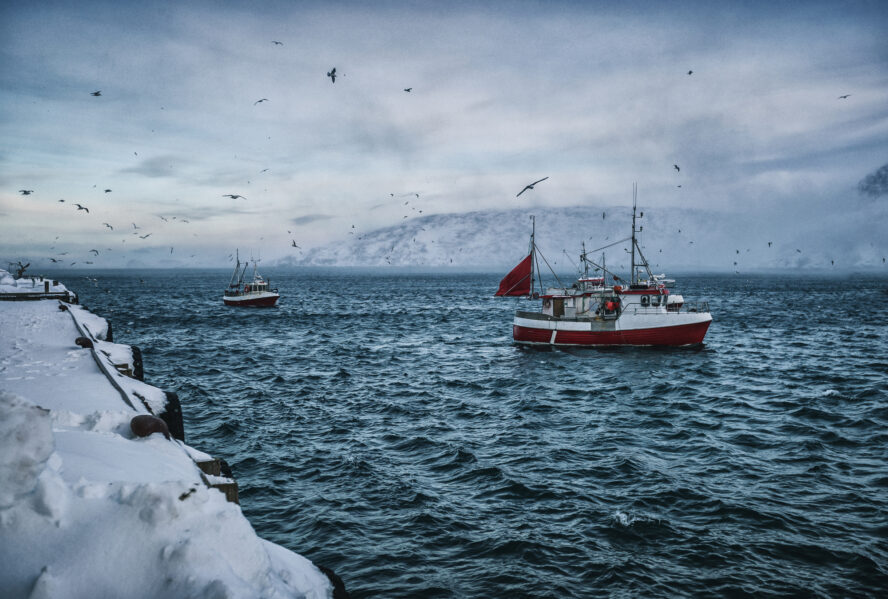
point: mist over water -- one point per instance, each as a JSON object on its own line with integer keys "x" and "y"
{"x": 387, "y": 427}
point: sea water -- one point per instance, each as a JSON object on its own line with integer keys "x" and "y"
{"x": 387, "y": 427}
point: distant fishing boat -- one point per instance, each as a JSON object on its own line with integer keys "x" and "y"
{"x": 592, "y": 313}
{"x": 254, "y": 293}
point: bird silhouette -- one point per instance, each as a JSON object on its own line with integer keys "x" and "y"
{"x": 408, "y": 89}
{"x": 676, "y": 167}
{"x": 26, "y": 192}
{"x": 98, "y": 92}
{"x": 293, "y": 244}
{"x": 107, "y": 191}
{"x": 79, "y": 207}
{"x": 96, "y": 252}
{"x": 530, "y": 186}
{"x": 690, "y": 72}
{"x": 845, "y": 97}
{"x": 332, "y": 75}
{"x": 260, "y": 100}
{"x": 146, "y": 236}
{"x": 276, "y": 43}
{"x": 769, "y": 243}
{"x": 54, "y": 260}
{"x": 233, "y": 196}
{"x": 62, "y": 200}
{"x": 109, "y": 226}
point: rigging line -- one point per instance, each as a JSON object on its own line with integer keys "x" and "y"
{"x": 577, "y": 266}
{"x": 604, "y": 247}
{"x": 596, "y": 265}
{"x": 551, "y": 269}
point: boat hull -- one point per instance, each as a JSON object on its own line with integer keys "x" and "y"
{"x": 259, "y": 300}
{"x": 584, "y": 333}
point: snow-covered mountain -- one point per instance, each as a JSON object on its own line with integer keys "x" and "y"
{"x": 672, "y": 239}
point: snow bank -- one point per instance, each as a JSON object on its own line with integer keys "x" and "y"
{"x": 95, "y": 325}
{"x": 8, "y": 284}
{"x": 87, "y": 509}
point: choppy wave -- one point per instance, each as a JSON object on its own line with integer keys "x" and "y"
{"x": 386, "y": 426}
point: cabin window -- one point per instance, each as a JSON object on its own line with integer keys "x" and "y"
{"x": 645, "y": 300}
{"x": 655, "y": 300}
{"x": 558, "y": 307}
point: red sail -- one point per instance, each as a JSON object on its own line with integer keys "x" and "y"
{"x": 518, "y": 281}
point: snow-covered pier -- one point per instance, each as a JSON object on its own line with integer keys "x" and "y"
{"x": 98, "y": 496}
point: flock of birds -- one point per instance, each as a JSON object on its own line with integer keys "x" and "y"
{"x": 58, "y": 256}
{"x": 332, "y": 74}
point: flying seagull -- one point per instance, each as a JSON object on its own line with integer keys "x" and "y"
{"x": 107, "y": 191}
{"x": 233, "y": 196}
{"x": 408, "y": 89}
{"x": 109, "y": 226}
{"x": 675, "y": 166}
{"x": 98, "y": 92}
{"x": 145, "y": 236}
{"x": 95, "y": 251}
{"x": 846, "y": 96}
{"x": 332, "y": 75}
{"x": 79, "y": 207}
{"x": 62, "y": 200}
{"x": 530, "y": 186}
{"x": 258, "y": 101}
{"x": 26, "y": 192}
{"x": 276, "y": 43}
{"x": 293, "y": 243}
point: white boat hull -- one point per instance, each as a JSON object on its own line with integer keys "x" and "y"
{"x": 668, "y": 329}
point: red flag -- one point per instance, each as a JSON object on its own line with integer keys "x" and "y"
{"x": 518, "y": 281}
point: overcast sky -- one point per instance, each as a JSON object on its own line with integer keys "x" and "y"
{"x": 592, "y": 95}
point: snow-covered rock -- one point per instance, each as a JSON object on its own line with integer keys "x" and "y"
{"x": 87, "y": 509}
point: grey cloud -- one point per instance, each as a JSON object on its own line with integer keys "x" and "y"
{"x": 310, "y": 218}
{"x": 875, "y": 184}
{"x": 159, "y": 166}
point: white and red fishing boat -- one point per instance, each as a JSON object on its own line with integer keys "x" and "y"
{"x": 593, "y": 313}
{"x": 253, "y": 293}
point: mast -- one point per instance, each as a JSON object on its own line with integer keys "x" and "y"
{"x": 634, "y": 198}
{"x": 532, "y": 250}
{"x": 635, "y": 246}
{"x": 236, "y": 269}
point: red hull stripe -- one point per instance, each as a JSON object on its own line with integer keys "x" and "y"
{"x": 265, "y": 301}
{"x": 687, "y": 334}
{"x": 644, "y": 292}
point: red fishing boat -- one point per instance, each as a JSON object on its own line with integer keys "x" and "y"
{"x": 593, "y": 313}
{"x": 254, "y": 293}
